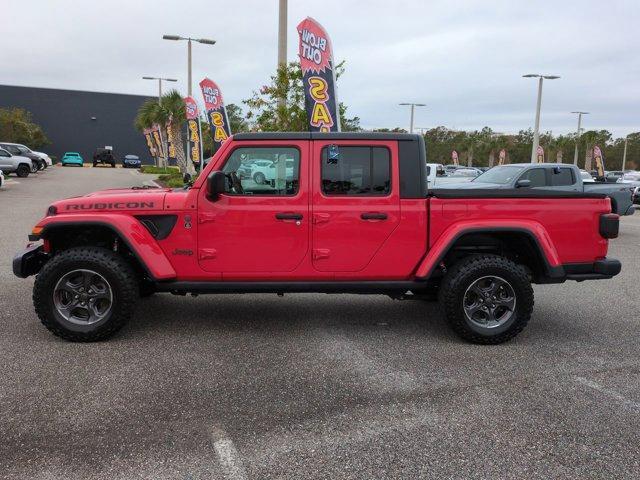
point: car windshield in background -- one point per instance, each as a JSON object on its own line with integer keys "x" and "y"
{"x": 23, "y": 150}
{"x": 631, "y": 177}
{"x": 464, "y": 173}
{"x": 501, "y": 175}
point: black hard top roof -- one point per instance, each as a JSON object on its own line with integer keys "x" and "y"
{"x": 326, "y": 136}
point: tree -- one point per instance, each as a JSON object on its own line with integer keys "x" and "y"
{"x": 169, "y": 111}
{"x": 267, "y": 112}
{"x": 17, "y": 126}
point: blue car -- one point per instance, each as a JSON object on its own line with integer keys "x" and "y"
{"x": 131, "y": 161}
{"x": 72, "y": 158}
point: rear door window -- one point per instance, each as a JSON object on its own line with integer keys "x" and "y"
{"x": 356, "y": 170}
{"x": 562, "y": 177}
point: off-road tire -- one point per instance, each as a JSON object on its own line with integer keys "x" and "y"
{"x": 23, "y": 171}
{"x": 463, "y": 274}
{"x": 121, "y": 278}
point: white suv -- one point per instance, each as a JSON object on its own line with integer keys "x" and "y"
{"x": 263, "y": 171}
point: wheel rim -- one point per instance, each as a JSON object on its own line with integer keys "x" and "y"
{"x": 489, "y": 302}
{"x": 83, "y": 297}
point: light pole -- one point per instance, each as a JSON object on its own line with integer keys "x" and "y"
{"x": 282, "y": 41}
{"x": 536, "y": 130}
{"x": 206, "y": 41}
{"x": 624, "y": 154}
{"x": 413, "y": 106}
{"x": 160, "y": 79}
{"x": 575, "y": 154}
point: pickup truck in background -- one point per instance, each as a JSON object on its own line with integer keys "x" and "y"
{"x": 354, "y": 216}
{"x": 557, "y": 177}
{"x": 438, "y": 175}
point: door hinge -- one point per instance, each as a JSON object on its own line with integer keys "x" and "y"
{"x": 207, "y": 253}
{"x": 320, "y": 253}
{"x": 206, "y": 217}
{"x": 320, "y": 218}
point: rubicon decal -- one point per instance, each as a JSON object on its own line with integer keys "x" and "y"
{"x": 110, "y": 206}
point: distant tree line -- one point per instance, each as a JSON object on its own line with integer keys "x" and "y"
{"x": 17, "y": 126}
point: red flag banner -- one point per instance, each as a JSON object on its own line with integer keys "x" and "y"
{"x": 318, "y": 77}
{"x": 216, "y": 113}
{"x": 193, "y": 128}
{"x": 598, "y": 161}
{"x": 502, "y": 157}
{"x": 540, "y": 154}
{"x": 454, "y": 158}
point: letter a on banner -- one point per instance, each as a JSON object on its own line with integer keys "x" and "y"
{"x": 318, "y": 77}
{"x": 216, "y": 112}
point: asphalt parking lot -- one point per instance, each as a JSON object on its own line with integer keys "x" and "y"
{"x": 315, "y": 386}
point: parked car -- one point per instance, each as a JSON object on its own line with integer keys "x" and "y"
{"x": 105, "y": 156}
{"x": 264, "y": 171}
{"x": 72, "y": 158}
{"x": 46, "y": 157}
{"x": 613, "y": 176}
{"x": 131, "y": 161}
{"x": 21, "y": 150}
{"x": 437, "y": 175}
{"x": 21, "y": 166}
{"x": 550, "y": 176}
{"x": 356, "y": 218}
{"x": 586, "y": 177}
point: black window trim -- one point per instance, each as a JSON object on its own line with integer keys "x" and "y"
{"x": 264, "y": 195}
{"x": 360, "y": 195}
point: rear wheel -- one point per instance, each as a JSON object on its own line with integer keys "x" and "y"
{"x": 259, "y": 178}
{"x": 23, "y": 171}
{"x": 85, "y": 294}
{"x": 487, "y": 299}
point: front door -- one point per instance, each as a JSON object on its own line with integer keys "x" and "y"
{"x": 261, "y": 223}
{"x": 356, "y": 203}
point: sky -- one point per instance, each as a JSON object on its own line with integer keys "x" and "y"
{"x": 464, "y": 59}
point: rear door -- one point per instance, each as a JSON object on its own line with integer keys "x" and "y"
{"x": 355, "y": 203}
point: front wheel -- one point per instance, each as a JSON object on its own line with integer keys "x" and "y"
{"x": 259, "y": 178}
{"x": 85, "y": 294}
{"x": 23, "y": 171}
{"x": 487, "y": 299}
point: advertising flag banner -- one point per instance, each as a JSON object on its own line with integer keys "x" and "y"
{"x": 598, "y": 161}
{"x": 148, "y": 136}
{"x": 155, "y": 132}
{"x": 318, "y": 77}
{"x": 540, "y": 154}
{"x": 171, "y": 145}
{"x": 193, "y": 127}
{"x": 502, "y": 157}
{"x": 216, "y": 113}
{"x": 454, "y": 158}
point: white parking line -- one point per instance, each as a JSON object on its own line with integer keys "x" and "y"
{"x": 606, "y": 391}
{"x": 228, "y": 457}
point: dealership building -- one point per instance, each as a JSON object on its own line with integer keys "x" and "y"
{"x": 78, "y": 121}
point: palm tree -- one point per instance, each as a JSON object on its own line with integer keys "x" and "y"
{"x": 147, "y": 117}
{"x": 170, "y": 112}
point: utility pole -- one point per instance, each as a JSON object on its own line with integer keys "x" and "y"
{"x": 536, "y": 131}
{"x": 282, "y": 41}
{"x": 575, "y": 153}
{"x": 413, "y": 106}
{"x": 160, "y": 79}
{"x": 624, "y": 154}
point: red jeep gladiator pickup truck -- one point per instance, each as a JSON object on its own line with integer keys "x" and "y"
{"x": 315, "y": 212}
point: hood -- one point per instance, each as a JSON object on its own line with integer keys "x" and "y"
{"x": 125, "y": 199}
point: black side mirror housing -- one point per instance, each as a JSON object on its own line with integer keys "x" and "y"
{"x": 216, "y": 184}
{"x": 523, "y": 183}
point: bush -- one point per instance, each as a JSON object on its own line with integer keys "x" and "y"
{"x": 172, "y": 180}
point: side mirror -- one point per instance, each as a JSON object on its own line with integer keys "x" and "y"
{"x": 523, "y": 183}
{"x": 216, "y": 184}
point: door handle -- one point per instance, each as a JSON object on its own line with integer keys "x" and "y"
{"x": 289, "y": 216}
{"x": 373, "y": 216}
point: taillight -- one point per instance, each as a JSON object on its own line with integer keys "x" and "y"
{"x": 609, "y": 225}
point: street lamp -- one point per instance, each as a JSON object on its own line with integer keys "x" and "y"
{"x": 413, "y": 106}
{"x": 624, "y": 154}
{"x": 205, "y": 41}
{"x": 536, "y": 131}
{"x": 575, "y": 154}
{"x": 160, "y": 79}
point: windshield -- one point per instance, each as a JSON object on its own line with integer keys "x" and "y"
{"x": 464, "y": 173}
{"x": 22, "y": 149}
{"x": 501, "y": 175}
{"x": 631, "y": 176}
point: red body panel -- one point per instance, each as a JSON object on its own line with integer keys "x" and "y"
{"x": 238, "y": 237}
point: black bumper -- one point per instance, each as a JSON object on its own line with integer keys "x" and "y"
{"x": 601, "y": 269}
{"x": 29, "y": 261}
